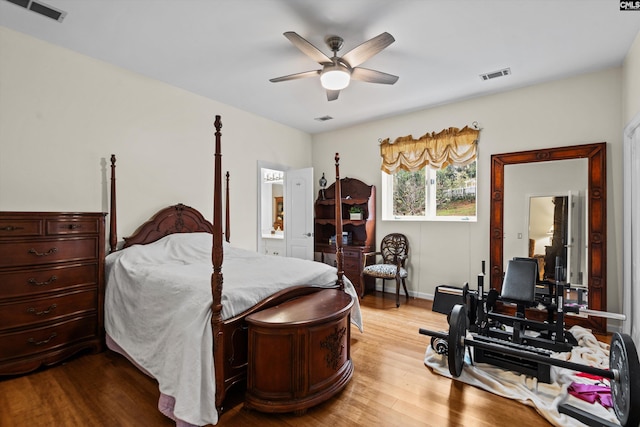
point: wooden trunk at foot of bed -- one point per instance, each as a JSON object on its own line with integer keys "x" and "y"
{"x": 234, "y": 341}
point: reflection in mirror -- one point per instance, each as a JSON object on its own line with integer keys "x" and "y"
{"x": 544, "y": 216}
{"x": 556, "y": 229}
{"x": 278, "y": 211}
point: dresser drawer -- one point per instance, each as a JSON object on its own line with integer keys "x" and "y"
{"x": 72, "y": 226}
{"x": 350, "y": 253}
{"x": 36, "y": 310}
{"x": 35, "y": 340}
{"x": 43, "y": 252}
{"x": 352, "y": 264}
{"x": 35, "y": 281}
{"x": 20, "y": 227}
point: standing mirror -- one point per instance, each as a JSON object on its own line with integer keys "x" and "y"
{"x": 550, "y": 204}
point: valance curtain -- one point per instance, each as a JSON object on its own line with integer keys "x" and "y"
{"x": 451, "y": 146}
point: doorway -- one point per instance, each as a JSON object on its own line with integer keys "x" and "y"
{"x": 271, "y": 202}
{"x": 285, "y": 211}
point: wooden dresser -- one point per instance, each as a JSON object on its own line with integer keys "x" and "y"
{"x": 51, "y": 287}
{"x": 299, "y": 352}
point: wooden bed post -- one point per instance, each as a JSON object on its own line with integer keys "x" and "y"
{"x": 216, "y": 276}
{"x": 339, "y": 253}
{"x": 113, "y": 232}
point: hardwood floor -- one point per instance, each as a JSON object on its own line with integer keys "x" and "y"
{"x": 390, "y": 387}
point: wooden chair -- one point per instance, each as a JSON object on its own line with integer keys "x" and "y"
{"x": 394, "y": 251}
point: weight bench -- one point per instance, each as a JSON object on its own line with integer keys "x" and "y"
{"x": 519, "y": 288}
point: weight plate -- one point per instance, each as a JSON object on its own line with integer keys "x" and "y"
{"x": 625, "y": 390}
{"x": 455, "y": 342}
{"x": 439, "y": 345}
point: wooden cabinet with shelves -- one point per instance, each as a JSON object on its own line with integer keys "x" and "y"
{"x": 361, "y": 232}
{"x": 51, "y": 287}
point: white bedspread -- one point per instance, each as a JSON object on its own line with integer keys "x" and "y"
{"x": 158, "y": 308}
{"x": 545, "y": 398}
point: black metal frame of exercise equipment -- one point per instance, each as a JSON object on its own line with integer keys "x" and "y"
{"x": 487, "y": 325}
{"x": 623, "y": 372}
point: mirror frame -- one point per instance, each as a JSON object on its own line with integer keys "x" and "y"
{"x": 597, "y": 220}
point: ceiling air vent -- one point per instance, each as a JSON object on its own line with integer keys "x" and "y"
{"x": 323, "y": 118}
{"x": 496, "y": 74}
{"x": 41, "y": 8}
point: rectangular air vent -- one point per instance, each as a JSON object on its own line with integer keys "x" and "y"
{"x": 496, "y": 74}
{"x": 41, "y": 8}
{"x": 323, "y": 118}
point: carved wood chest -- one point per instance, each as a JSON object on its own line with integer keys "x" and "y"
{"x": 299, "y": 352}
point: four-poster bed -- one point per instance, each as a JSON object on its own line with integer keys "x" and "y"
{"x": 169, "y": 245}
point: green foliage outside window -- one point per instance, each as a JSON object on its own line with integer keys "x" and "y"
{"x": 409, "y": 193}
{"x": 455, "y": 192}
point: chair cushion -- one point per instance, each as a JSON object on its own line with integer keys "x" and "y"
{"x": 384, "y": 271}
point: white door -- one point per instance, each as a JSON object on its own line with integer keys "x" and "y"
{"x": 298, "y": 213}
{"x": 576, "y": 254}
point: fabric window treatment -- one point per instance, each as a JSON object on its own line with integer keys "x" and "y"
{"x": 450, "y": 146}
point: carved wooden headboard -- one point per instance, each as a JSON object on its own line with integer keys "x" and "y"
{"x": 173, "y": 219}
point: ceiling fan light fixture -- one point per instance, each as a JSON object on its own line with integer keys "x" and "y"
{"x": 337, "y": 72}
{"x": 335, "y": 77}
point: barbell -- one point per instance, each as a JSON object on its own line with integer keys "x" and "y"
{"x": 623, "y": 372}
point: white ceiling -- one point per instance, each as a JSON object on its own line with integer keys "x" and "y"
{"x": 227, "y": 50}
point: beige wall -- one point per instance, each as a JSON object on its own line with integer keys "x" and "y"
{"x": 631, "y": 82}
{"x": 62, "y": 114}
{"x": 578, "y": 110}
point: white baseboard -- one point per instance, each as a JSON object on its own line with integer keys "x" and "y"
{"x": 412, "y": 294}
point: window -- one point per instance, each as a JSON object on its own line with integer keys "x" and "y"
{"x": 447, "y": 194}
{"x": 432, "y": 178}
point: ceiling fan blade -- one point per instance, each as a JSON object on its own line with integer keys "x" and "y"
{"x": 332, "y": 95}
{"x": 307, "y": 48}
{"x": 373, "y": 76}
{"x": 366, "y": 50}
{"x": 295, "y": 76}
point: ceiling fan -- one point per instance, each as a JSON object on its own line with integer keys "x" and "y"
{"x": 337, "y": 71}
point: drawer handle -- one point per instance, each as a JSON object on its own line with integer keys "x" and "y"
{"x": 34, "y": 342}
{"x": 49, "y": 252}
{"x": 33, "y": 281}
{"x": 11, "y": 228}
{"x": 40, "y": 313}
{"x": 73, "y": 226}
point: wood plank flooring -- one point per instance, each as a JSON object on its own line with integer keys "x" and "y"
{"x": 390, "y": 387}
